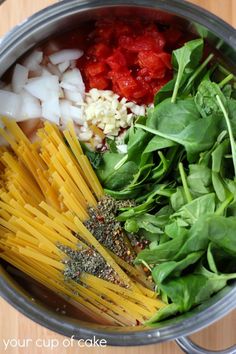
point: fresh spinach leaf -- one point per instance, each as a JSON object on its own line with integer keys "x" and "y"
{"x": 182, "y": 124}
{"x": 191, "y": 212}
{"x": 158, "y": 143}
{"x": 226, "y": 116}
{"x": 163, "y": 252}
{"x": 146, "y": 221}
{"x": 116, "y": 179}
{"x": 137, "y": 142}
{"x": 185, "y": 60}
{"x": 174, "y": 230}
{"x": 205, "y": 98}
{"x": 199, "y": 178}
{"x": 197, "y": 239}
{"x": 95, "y": 158}
{"x": 173, "y": 269}
{"x": 186, "y": 291}
{"x": 177, "y": 199}
{"x": 165, "y": 92}
{"x": 111, "y": 145}
{"x": 173, "y": 118}
{"x": 165, "y": 312}
{"x": 221, "y": 232}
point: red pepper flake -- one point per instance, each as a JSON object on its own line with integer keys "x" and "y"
{"x": 100, "y": 218}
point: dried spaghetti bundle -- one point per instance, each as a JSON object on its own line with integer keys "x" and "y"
{"x": 47, "y": 188}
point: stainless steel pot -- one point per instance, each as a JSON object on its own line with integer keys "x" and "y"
{"x": 66, "y": 15}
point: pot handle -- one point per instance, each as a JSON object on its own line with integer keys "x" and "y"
{"x": 189, "y": 347}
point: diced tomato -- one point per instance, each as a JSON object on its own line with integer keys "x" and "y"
{"x": 122, "y": 28}
{"x": 131, "y": 57}
{"x": 117, "y": 60}
{"x": 144, "y": 42}
{"x": 99, "y": 50}
{"x": 93, "y": 69}
{"x": 153, "y": 63}
{"x": 99, "y": 81}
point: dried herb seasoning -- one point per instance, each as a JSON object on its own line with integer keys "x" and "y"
{"x": 86, "y": 260}
{"x": 107, "y": 230}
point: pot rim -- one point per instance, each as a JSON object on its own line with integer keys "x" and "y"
{"x": 68, "y": 326}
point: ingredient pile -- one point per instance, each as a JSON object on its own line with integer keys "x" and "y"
{"x": 125, "y": 132}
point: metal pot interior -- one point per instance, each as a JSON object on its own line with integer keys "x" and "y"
{"x": 34, "y": 300}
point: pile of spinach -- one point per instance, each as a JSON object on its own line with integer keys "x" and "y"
{"x": 180, "y": 168}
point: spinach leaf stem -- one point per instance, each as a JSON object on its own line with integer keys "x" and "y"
{"x": 230, "y": 132}
{"x": 184, "y": 182}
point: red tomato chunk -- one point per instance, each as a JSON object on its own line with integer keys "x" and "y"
{"x": 130, "y": 57}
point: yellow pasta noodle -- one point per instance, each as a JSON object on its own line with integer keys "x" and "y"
{"x": 46, "y": 189}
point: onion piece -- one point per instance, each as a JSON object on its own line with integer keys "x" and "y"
{"x": 45, "y": 72}
{"x": 19, "y": 78}
{"x": 10, "y": 104}
{"x": 74, "y": 78}
{"x": 70, "y": 112}
{"x": 74, "y": 96}
{"x": 51, "y": 110}
{"x": 33, "y": 60}
{"x": 30, "y": 107}
{"x": 53, "y": 69}
{"x": 64, "y": 66}
{"x": 65, "y": 110}
{"x": 65, "y": 55}
{"x": 44, "y": 87}
{"x": 7, "y": 88}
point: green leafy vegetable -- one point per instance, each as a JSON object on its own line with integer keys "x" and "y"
{"x": 186, "y": 59}
{"x": 180, "y": 168}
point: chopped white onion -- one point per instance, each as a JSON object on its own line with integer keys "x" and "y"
{"x": 74, "y": 96}
{"x": 51, "y": 110}
{"x": 64, "y": 66}
{"x": 44, "y": 87}
{"x": 70, "y": 112}
{"x": 53, "y": 69}
{"x": 33, "y": 60}
{"x": 74, "y": 78}
{"x": 2, "y": 84}
{"x": 46, "y": 72}
{"x": 77, "y": 115}
{"x": 19, "y": 78}
{"x": 65, "y": 110}
{"x": 10, "y": 104}
{"x": 7, "y": 88}
{"x": 65, "y": 55}
{"x": 30, "y": 107}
